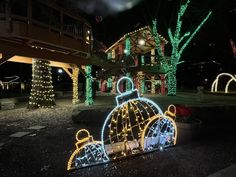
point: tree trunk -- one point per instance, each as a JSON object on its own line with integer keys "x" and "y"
{"x": 75, "y": 73}
{"x": 172, "y": 83}
{"x": 42, "y": 94}
{"x": 89, "y": 86}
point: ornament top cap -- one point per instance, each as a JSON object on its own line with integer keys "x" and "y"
{"x": 128, "y": 94}
{"x": 123, "y": 79}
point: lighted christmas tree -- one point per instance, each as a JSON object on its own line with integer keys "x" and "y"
{"x": 179, "y": 41}
{"x": 42, "y": 94}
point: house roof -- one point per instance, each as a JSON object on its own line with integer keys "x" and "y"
{"x": 135, "y": 36}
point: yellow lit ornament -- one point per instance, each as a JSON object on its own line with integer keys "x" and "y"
{"x": 123, "y": 127}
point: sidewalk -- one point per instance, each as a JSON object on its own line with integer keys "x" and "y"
{"x": 227, "y": 172}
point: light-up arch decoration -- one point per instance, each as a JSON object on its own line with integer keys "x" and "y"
{"x": 126, "y": 131}
{"x": 214, "y": 86}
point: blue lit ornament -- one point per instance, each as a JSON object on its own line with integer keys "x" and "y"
{"x": 160, "y": 131}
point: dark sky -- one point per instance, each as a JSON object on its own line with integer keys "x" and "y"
{"x": 218, "y": 30}
{"x": 211, "y": 42}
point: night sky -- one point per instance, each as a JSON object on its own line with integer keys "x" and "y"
{"x": 217, "y": 31}
{"x": 211, "y": 43}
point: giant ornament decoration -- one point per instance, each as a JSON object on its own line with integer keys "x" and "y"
{"x": 136, "y": 125}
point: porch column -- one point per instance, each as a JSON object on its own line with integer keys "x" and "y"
{"x": 89, "y": 85}
{"x": 74, "y": 76}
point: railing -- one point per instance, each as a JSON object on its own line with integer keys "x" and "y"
{"x": 71, "y": 31}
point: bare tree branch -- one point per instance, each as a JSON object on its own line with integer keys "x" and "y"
{"x": 194, "y": 33}
{"x": 179, "y": 20}
{"x": 185, "y": 35}
{"x": 157, "y": 39}
{"x": 170, "y": 36}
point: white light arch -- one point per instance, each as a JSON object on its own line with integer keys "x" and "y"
{"x": 214, "y": 86}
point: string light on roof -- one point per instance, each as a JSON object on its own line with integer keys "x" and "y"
{"x": 146, "y": 28}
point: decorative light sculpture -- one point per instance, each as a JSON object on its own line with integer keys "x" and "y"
{"x": 88, "y": 152}
{"x": 160, "y": 131}
{"x": 214, "y": 86}
{"x": 124, "y": 126}
{"x": 135, "y": 125}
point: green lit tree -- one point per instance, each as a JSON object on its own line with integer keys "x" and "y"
{"x": 42, "y": 94}
{"x": 89, "y": 85}
{"x": 179, "y": 41}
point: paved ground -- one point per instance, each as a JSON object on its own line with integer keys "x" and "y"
{"x": 45, "y": 152}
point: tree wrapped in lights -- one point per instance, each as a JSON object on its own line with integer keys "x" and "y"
{"x": 178, "y": 42}
{"x": 89, "y": 91}
{"x": 42, "y": 94}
